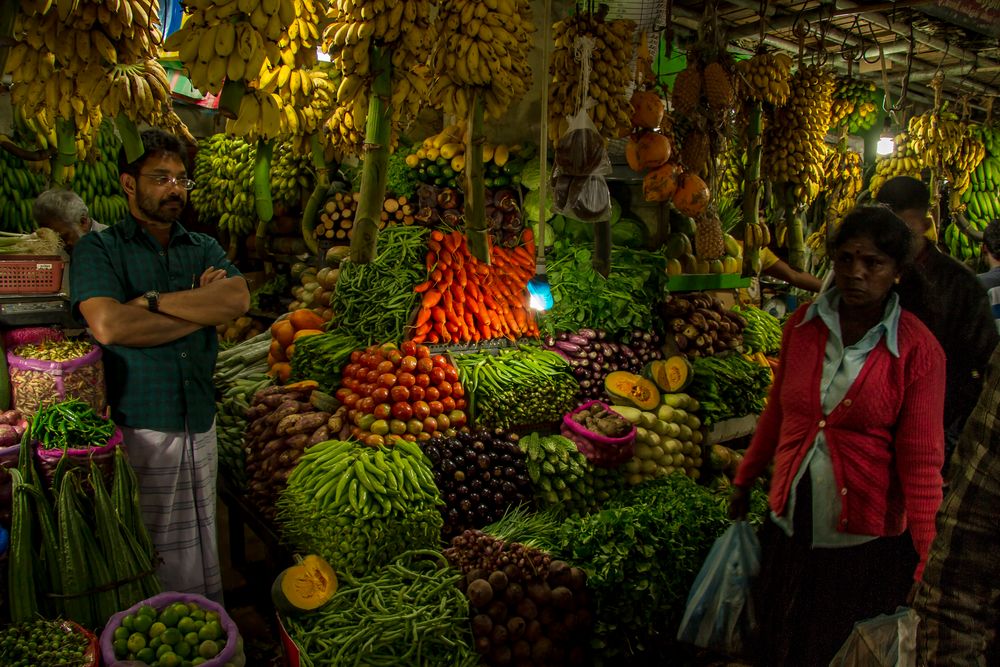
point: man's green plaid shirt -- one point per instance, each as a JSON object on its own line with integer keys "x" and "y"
{"x": 167, "y": 387}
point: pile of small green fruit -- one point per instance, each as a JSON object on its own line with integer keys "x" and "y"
{"x": 179, "y": 635}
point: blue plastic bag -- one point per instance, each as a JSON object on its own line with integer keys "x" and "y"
{"x": 719, "y": 613}
{"x": 888, "y": 640}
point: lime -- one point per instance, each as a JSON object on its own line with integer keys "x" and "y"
{"x": 136, "y": 642}
{"x": 146, "y": 655}
{"x": 212, "y": 630}
{"x": 208, "y": 649}
{"x": 142, "y": 623}
{"x": 169, "y": 660}
{"x": 121, "y": 632}
{"x": 163, "y": 650}
{"x": 186, "y": 625}
{"x": 169, "y": 618}
{"x": 156, "y": 629}
{"x": 187, "y": 663}
{"x": 191, "y": 638}
{"x": 128, "y": 622}
{"x": 198, "y": 661}
{"x": 121, "y": 648}
{"x": 198, "y": 625}
{"x": 183, "y": 649}
{"x": 155, "y": 643}
{"x": 172, "y": 636}
{"x": 181, "y": 609}
{"x": 198, "y": 614}
{"x": 193, "y": 607}
{"x": 147, "y": 610}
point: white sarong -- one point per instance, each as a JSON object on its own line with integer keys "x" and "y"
{"x": 177, "y": 476}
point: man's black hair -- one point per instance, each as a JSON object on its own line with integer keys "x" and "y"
{"x": 905, "y": 193}
{"x": 155, "y": 142}
{"x": 991, "y": 238}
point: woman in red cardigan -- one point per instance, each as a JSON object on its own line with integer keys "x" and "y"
{"x": 853, "y": 429}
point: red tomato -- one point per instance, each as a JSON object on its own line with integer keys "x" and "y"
{"x": 457, "y": 418}
{"x": 430, "y": 425}
{"x": 432, "y": 394}
{"x": 373, "y": 440}
{"x": 424, "y": 365}
{"x": 380, "y": 394}
{"x": 414, "y": 426}
{"x": 437, "y": 375}
{"x": 356, "y": 356}
{"x": 400, "y": 393}
{"x": 449, "y": 403}
{"x": 440, "y": 361}
{"x": 366, "y": 405}
{"x": 406, "y": 379}
{"x": 372, "y": 377}
{"x": 417, "y": 393}
{"x": 342, "y": 393}
{"x": 423, "y": 351}
{"x": 395, "y": 357}
{"x": 351, "y": 400}
{"x": 382, "y": 411}
{"x": 457, "y": 390}
{"x": 451, "y": 374}
{"x": 408, "y": 364}
{"x": 409, "y": 348}
{"x": 387, "y": 380}
{"x": 423, "y": 380}
{"x": 424, "y": 435}
{"x": 409, "y": 437}
{"x": 444, "y": 421}
{"x": 364, "y": 389}
{"x": 436, "y": 408}
{"x": 361, "y": 372}
{"x": 402, "y": 411}
{"x": 385, "y": 367}
{"x": 460, "y": 404}
{"x": 421, "y": 410}
{"x": 350, "y": 370}
{"x": 356, "y": 433}
{"x": 445, "y": 388}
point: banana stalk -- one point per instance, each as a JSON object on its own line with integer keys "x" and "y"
{"x": 475, "y": 190}
{"x": 378, "y": 133}
{"x": 65, "y": 150}
{"x": 795, "y": 222}
{"x": 309, "y": 215}
{"x": 7, "y": 144}
{"x": 601, "y": 261}
{"x": 263, "y": 203}
{"x": 752, "y": 189}
{"x": 230, "y": 97}
{"x": 131, "y": 140}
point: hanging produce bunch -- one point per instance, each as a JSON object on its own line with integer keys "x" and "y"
{"x": 854, "y": 106}
{"x": 18, "y": 189}
{"x": 292, "y": 177}
{"x": 843, "y": 181}
{"x": 794, "y": 135}
{"x": 482, "y": 53}
{"x": 359, "y": 506}
{"x": 981, "y": 199}
{"x": 404, "y": 30}
{"x": 223, "y": 172}
{"x": 612, "y": 50}
{"x": 766, "y": 77}
{"x": 903, "y": 161}
{"x": 480, "y": 476}
{"x": 96, "y": 181}
{"x": 82, "y": 62}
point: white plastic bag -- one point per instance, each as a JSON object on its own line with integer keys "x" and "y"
{"x": 888, "y": 640}
{"x": 719, "y": 613}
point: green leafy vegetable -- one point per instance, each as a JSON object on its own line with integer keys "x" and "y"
{"x": 729, "y": 386}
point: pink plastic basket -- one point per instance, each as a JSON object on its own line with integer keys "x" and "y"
{"x": 599, "y": 449}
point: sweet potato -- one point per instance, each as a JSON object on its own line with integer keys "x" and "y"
{"x": 286, "y": 409}
{"x": 302, "y": 423}
{"x": 297, "y": 441}
{"x": 321, "y": 434}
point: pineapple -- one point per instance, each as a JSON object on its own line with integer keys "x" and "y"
{"x": 718, "y": 87}
{"x": 708, "y": 240}
{"x": 695, "y": 151}
{"x": 687, "y": 90}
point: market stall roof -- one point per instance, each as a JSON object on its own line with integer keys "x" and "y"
{"x": 904, "y": 43}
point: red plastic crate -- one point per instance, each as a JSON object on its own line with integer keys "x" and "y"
{"x": 30, "y": 274}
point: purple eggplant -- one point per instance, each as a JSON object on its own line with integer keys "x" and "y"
{"x": 549, "y": 341}
{"x": 589, "y": 334}
{"x": 569, "y": 348}
{"x": 577, "y": 339}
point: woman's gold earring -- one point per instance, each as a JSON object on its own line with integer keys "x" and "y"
{"x": 897, "y": 280}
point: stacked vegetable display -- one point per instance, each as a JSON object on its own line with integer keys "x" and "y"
{"x": 360, "y": 507}
{"x": 701, "y": 326}
{"x": 322, "y": 357}
{"x": 231, "y": 423}
{"x": 762, "y": 332}
{"x": 176, "y": 633}
{"x": 729, "y": 386}
{"x": 526, "y": 608}
{"x": 401, "y": 394}
{"x": 283, "y": 422}
{"x": 373, "y": 302}
{"x": 409, "y": 613}
{"x": 285, "y": 332}
{"x": 465, "y": 300}
{"x": 42, "y": 642}
{"x": 667, "y": 440}
{"x": 593, "y": 356}
{"x": 517, "y": 386}
{"x": 562, "y": 477}
{"x": 480, "y": 475}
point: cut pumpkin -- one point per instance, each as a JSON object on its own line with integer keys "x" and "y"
{"x": 670, "y": 375}
{"x": 626, "y": 388}
{"x": 305, "y": 586}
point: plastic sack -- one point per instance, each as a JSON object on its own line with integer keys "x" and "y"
{"x": 581, "y": 163}
{"x": 600, "y": 450}
{"x": 103, "y": 455}
{"x": 36, "y": 384}
{"x": 231, "y": 655}
{"x": 888, "y": 640}
{"x": 30, "y": 335}
{"x": 719, "y": 613}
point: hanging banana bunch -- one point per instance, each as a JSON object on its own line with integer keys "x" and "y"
{"x": 404, "y": 29}
{"x": 612, "y": 73}
{"x": 766, "y": 77}
{"x": 223, "y": 170}
{"x": 843, "y": 180}
{"x": 854, "y": 105}
{"x": 903, "y": 161}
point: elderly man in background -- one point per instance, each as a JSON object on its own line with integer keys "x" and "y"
{"x": 65, "y": 213}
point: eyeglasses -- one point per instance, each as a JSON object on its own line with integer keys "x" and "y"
{"x": 163, "y": 180}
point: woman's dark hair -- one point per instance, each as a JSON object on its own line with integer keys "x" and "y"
{"x": 154, "y": 143}
{"x": 886, "y": 230}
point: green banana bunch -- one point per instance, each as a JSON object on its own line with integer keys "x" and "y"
{"x": 854, "y": 105}
{"x": 18, "y": 189}
{"x": 223, "y": 172}
{"x": 96, "y": 180}
{"x": 292, "y": 178}
{"x": 231, "y": 425}
{"x": 562, "y": 476}
{"x": 960, "y": 246}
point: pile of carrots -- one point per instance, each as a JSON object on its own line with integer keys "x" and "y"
{"x": 467, "y": 301}
{"x": 284, "y": 333}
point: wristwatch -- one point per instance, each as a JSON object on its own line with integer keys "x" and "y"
{"x": 153, "y": 299}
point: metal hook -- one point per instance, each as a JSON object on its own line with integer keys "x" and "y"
{"x": 881, "y": 54}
